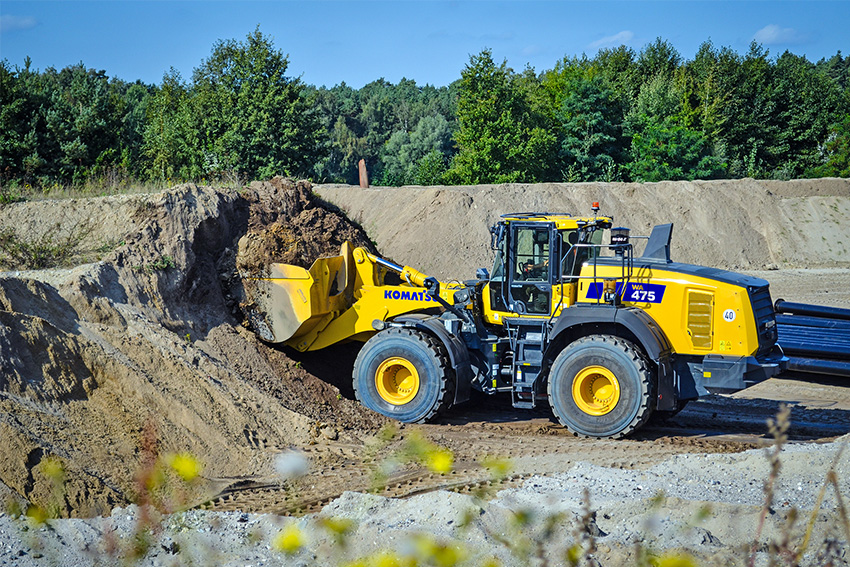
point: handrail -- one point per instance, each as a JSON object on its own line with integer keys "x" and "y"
{"x": 623, "y": 251}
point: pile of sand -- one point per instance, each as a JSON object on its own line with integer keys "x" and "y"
{"x": 742, "y": 224}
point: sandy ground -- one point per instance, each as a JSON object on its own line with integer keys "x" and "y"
{"x": 819, "y": 286}
{"x": 110, "y": 364}
{"x": 707, "y": 506}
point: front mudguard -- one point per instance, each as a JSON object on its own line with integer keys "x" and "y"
{"x": 455, "y": 347}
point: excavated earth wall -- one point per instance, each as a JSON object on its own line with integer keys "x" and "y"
{"x": 146, "y": 347}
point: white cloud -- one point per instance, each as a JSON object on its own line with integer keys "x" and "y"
{"x": 11, "y": 23}
{"x": 773, "y": 35}
{"x": 615, "y": 40}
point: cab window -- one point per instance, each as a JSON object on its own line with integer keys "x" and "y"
{"x": 532, "y": 254}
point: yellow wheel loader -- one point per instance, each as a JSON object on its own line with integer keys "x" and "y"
{"x": 569, "y": 317}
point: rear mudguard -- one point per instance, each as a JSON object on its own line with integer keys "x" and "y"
{"x": 580, "y": 320}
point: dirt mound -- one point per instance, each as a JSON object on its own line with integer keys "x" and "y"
{"x": 149, "y": 339}
{"x": 743, "y": 224}
{"x": 307, "y": 232}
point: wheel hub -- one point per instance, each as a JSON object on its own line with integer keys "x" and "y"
{"x": 596, "y": 390}
{"x": 397, "y": 381}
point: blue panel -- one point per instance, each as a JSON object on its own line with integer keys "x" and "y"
{"x": 634, "y": 292}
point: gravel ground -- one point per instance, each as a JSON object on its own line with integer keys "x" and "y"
{"x": 729, "y": 478}
{"x": 707, "y": 504}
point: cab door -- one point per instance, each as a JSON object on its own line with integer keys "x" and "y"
{"x": 530, "y": 267}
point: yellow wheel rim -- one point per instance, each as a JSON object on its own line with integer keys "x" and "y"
{"x": 596, "y": 390}
{"x": 397, "y": 381}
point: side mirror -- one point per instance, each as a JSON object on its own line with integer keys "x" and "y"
{"x": 482, "y": 274}
{"x": 497, "y": 233}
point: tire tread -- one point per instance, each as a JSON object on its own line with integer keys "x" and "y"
{"x": 642, "y": 365}
{"x": 445, "y": 397}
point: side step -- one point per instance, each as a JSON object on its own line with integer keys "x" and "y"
{"x": 528, "y": 341}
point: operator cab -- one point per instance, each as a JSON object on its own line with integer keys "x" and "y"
{"x": 538, "y": 260}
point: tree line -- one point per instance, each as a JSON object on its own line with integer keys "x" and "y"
{"x": 622, "y": 115}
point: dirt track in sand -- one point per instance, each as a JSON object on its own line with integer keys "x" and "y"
{"x": 95, "y": 355}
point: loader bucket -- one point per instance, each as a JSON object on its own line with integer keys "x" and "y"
{"x": 291, "y": 301}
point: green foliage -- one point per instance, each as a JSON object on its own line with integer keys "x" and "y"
{"x": 248, "y": 117}
{"x": 362, "y": 123}
{"x": 10, "y": 195}
{"x": 66, "y": 126}
{"x": 805, "y": 103}
{"x": 419, "y": 157}
{"x": 664, "y": 150}
{"x": 836, "y": 152}
{"x": 662, "y": 147}
{"x": 658, "y": 58}
{"x": 500, "y": 137}
{"x": 161, "y": 264}
{"x": 430, "y": 169}
{"x": 620, "y": 114}
{"x": 588, "y": 116}
{"x": 167, "y": 142}
{"x": 618, "y": 68}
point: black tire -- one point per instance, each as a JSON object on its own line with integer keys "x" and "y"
{"x": 626, "y": 389}
{"x": 413, "y": 351}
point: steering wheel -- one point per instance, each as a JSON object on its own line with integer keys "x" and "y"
{"x": 531, "y": 270}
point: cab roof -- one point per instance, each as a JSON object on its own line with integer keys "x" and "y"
{"x": 561, "y": 220}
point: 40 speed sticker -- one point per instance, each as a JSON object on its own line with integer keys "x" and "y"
{"x": 633, "y": 292}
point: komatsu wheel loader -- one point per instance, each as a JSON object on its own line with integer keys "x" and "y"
{"x": 566, "y": 318}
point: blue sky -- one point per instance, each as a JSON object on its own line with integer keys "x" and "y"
{"x": 428, "y": 41}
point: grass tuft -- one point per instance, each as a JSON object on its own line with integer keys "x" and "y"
{"x": 50, "y": 250}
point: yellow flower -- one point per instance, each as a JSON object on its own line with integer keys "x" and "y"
{"x": 387, "y": 559}
{"x": 53, "y": 469}
{"x": 440, "y": 460}
{"x": 289, "y": 540}
{"x": 37, "y": 514}
{"x": 499, "y": 468}
{"x": 185, "y": 465}
{"x": 675, "y": 560}
{"x": 439, "y": 554}
{"x": 381, "y": 559}
{"x": 156, "y": 479}
{"x": 339, "y": 526}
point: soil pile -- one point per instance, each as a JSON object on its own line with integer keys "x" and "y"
{"x": 149, "y": 339}
{"x": 743, "y": 224}
{"x": 304, "y": 230}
